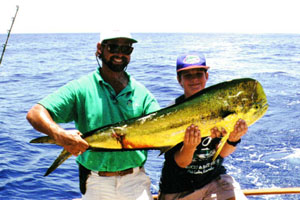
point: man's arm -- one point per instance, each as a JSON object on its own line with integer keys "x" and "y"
{"x": 71, "y": 140}
{"x": 192, "y": 139}
{"x": 240, "y": 129}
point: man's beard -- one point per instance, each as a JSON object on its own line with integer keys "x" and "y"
{"x": 116, "y": 67}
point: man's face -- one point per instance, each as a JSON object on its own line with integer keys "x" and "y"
{"x": 116, "y": 54}
{"x": 192, "y": 81}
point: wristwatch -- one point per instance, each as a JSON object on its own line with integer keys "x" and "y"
{"x": 233, "y": 143}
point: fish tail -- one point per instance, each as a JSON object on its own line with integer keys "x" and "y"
{"x": 64, "y": 155}
{"x": 44, "y": 139}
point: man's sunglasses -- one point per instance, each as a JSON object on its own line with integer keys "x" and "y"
{"x": 114, "y": 48}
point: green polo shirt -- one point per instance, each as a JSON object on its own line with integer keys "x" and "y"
{"x": 92, "y": 103}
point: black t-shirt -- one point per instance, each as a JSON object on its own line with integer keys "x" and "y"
{"x": 200, "y": 172}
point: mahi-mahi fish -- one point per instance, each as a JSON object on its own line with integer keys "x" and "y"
{"x": 220, "y": 106}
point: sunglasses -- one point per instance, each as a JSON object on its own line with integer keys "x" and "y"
{"x": 114, "y": 48}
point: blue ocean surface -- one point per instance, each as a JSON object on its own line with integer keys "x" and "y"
{"x": 35, "y": 65}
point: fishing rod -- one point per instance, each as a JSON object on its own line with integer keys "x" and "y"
{"x": 4, "y": 46}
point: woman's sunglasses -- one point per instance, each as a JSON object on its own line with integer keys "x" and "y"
{"x": 114, "y": 48}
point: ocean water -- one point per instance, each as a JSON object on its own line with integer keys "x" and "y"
{"x": 35, "y": 65}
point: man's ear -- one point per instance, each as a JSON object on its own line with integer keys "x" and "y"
{"x": 98, "y": 52}
{"x": 179, "y": 80}
{"x": 207, "y": 75}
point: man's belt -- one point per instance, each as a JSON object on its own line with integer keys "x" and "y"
{"x": 117, "y": 173}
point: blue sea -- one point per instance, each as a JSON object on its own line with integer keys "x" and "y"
{"x": 35, "y": 65}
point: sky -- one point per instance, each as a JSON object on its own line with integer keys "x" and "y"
{"x": 203, "y": 16}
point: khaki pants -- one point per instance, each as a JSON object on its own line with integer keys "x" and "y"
{"x": 135, "y": 186}
{"x": 222, "y": 188}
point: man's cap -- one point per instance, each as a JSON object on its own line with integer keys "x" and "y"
{"x": 191, "y": 61}
{"x": 115, "y": 34}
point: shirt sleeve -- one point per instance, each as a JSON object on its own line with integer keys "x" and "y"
{"x": 169, "y": 155}
{"x": 61, "y": 104}
{"x": 150, "y": 104}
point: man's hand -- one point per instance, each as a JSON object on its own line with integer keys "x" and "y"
{"x": 192, "y": 137}
{"x": 39, "y": 117}
{"x": 240, "y": 129}
{"x": 72, "y": 141}
{"x": 216, "y": 133}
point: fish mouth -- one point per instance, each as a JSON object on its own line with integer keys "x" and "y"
{"x": 263, "y": 107}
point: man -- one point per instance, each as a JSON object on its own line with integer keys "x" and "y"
{"x": 108, "y": 95}
{"x": 189, "y": 171}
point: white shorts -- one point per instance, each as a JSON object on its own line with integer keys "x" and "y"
{"x": 221, "y": 188}
{"x": 135, "y": 186}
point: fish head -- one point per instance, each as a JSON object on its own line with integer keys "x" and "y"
{"x": 253, "y": 102}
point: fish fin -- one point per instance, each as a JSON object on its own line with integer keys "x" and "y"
{"x": 229, "y": 117}
{"x": 223, "y": 141}
{"x": 164, "y": 150}
{"x": 44, "y": 139}
{"x": 64, "y": 155}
